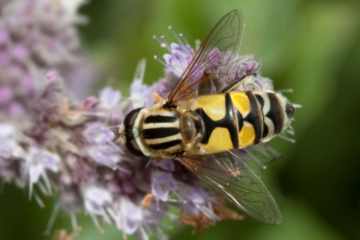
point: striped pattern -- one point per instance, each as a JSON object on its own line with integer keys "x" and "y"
{"x": 161, "y": 132}
{"x": 273, "y": 113}
{"x": 255, "y": 117}
{"x": 231, "y": 120}
{"x": 225, "y": 122}
{"x": 238, "y": 119}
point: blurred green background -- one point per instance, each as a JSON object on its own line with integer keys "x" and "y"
{"x": 312, "y": 47}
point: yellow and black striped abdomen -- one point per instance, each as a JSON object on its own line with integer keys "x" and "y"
{"x": 230, "y": 120}
{"x": 249, "y": 118}
{"x": 273, "y": 108}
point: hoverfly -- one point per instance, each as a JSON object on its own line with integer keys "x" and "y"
{"x": 209, "y": 131}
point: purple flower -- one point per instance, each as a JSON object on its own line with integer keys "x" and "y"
{"x": 162, "y": 184}
{"x": 97, "y": 200}
{"x": 178, "y": 58}
{"x": 140, "y": 93}
{"x": 127, "y": 216}
{"x": 105, "y": 154}
{"x": 109, "y": 98}
{"x": 223, "y": 68}
{"x": 35, "y": 37}
{"x": 97, "y": 133}
{"x": 10, "y": 151}
{"x": 9, "y": 141}
{"x": 37, "y": 163}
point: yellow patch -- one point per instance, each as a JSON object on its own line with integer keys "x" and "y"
{"x": 213, "y": 105}
{"x": 219, "y": 141}
{"x": 247, "y": 135}
{"x": 241, "y": 102}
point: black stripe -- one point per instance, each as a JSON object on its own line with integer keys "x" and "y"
{"x": 153, "y": 133}
{"x": 260, "y": 100}
{"x": 128, "y": 124}
{"x": 160, "y": 119}
{"x": 209, "y": 125}
{"x": 229, "y": 121}
{"x": 254, "y": 117}
{"x": 240, "y": 120}
{"x": 275, "y": 113}
{"x": 266, "y": 130}
{"x": 165, "y": 145}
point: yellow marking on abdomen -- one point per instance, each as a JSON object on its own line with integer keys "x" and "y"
{"x": 241, "y": 102}
{"x": 246, "y": 135}
{"x": 219, "y": 141}
{"x": 213, "y": 105}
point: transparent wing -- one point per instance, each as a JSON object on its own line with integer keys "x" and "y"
{"x": 223, "y": 40}
{"x": 258, "y": 156}
{"x": 230, "y": 175}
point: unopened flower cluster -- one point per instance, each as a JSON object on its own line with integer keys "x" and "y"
{"x": 69, "y": 148}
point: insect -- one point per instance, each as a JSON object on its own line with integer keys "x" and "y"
{"x": 208, "y": 131}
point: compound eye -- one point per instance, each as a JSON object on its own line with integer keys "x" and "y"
{"x": 290, "y": 110}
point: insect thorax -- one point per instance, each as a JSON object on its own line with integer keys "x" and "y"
{"x": 154, "y": 132}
